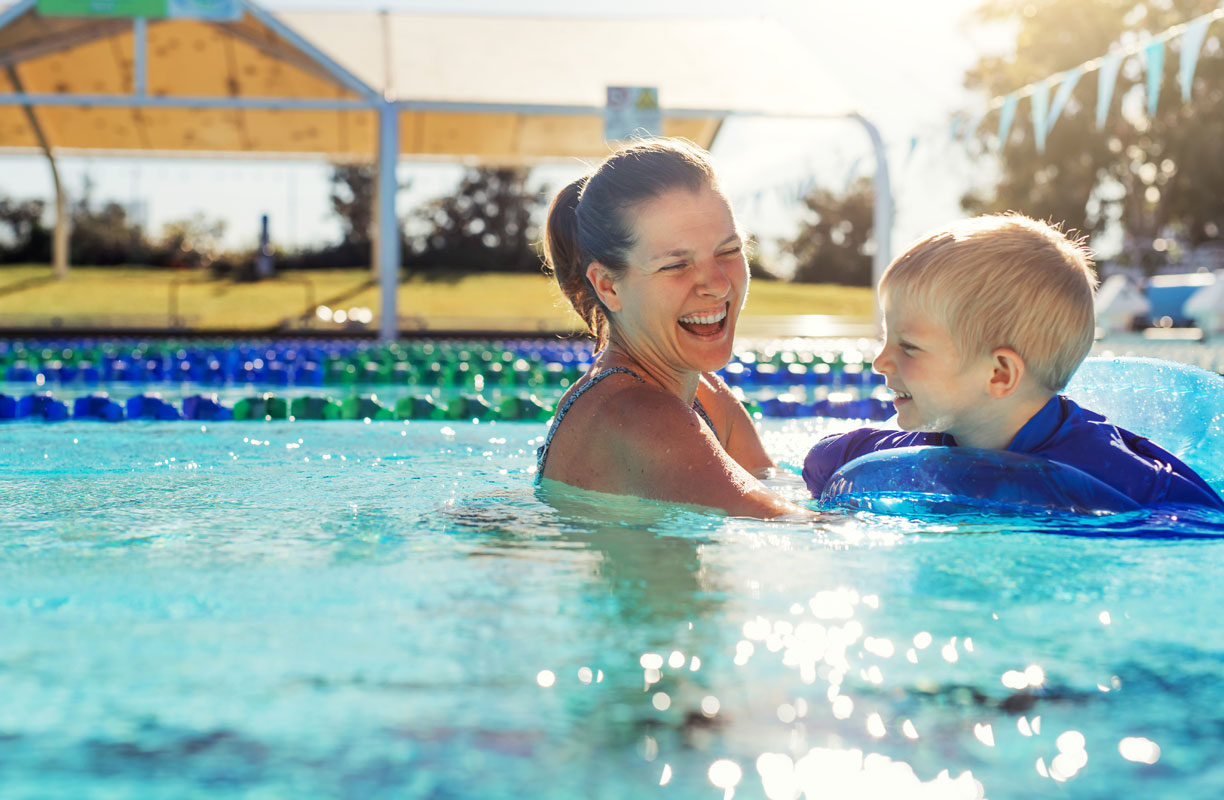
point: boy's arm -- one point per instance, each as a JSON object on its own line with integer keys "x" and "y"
{"x": 831, "y": 452}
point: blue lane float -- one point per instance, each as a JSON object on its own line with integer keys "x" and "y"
{"x": 201, "y": 407}
{"x": 151, "y": 406}
{"x": 41, "y": 405}
{"x": 98, "y": 407}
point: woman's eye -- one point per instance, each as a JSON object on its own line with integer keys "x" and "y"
{"x": 672, "y": 267}
{"x": 732, "y": 252}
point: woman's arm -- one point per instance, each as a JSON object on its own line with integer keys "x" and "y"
{"x": 739, "y": 436}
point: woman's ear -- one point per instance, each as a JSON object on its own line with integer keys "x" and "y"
{"x": 605, "y": 286}
{"x": 1007, "y": 372}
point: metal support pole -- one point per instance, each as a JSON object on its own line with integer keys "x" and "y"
{"x": 882, "y": 223}
{"x": 388, "y": 220}
{"x": 59, "y": 240}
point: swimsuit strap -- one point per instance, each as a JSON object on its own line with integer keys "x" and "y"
{"x": 542, "y": 452}
{"x": 700, "y": 409}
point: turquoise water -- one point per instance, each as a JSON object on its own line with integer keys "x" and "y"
{"x": 377, "y": 610}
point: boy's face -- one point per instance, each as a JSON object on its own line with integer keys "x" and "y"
{"x": 936, "y": 388}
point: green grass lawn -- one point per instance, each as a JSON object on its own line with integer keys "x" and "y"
{"x": 146, "y": 297}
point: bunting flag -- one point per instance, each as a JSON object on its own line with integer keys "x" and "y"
{"x": 1070, "y": 79}
{"x": 1106, "y": 81}
{"x": 1153, "y": 54}
{"x": 1040, "y": 100}
{"x": 1192, "y": 43}
{"x": 1006, "y": 115}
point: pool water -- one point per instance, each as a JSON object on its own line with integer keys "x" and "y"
{"x": 393, "y": 610}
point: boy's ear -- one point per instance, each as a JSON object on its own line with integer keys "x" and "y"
{"x": 1007, "y": 370}
{"x": 604, "y": 285}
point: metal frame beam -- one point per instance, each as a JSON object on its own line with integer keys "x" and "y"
{"x": 274, "y": 50}
{"x": 388, "y": 245}
{"x": 140, "y": 56}
{"x": 70, "y": 37}
{"x": 14, "y": 11}
{"x": 293, "y": 37}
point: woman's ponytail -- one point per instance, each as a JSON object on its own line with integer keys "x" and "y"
{"x": 563, "y": 256}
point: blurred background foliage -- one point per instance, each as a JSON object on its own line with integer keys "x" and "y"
{"x": 1157, "y": 179}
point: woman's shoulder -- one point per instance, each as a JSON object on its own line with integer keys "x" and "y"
{"x": 641, "y": 409}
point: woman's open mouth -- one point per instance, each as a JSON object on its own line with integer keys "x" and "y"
{"x": 708, "y": 323}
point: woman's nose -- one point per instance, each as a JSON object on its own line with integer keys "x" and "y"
{"x": 714, "y": 280}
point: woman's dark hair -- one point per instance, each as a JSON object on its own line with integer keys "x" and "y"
{"x": 589, "y": 220}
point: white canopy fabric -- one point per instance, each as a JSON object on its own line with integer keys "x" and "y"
{"x": 496, "y": 89}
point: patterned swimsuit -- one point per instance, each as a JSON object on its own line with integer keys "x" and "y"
{"x": 542, "y": 452}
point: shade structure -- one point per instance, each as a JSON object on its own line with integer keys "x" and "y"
{"x": 495, "y": 89}
{"x": 375, "y": 86}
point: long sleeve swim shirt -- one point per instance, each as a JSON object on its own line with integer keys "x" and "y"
{"x": 1061, "y": 431}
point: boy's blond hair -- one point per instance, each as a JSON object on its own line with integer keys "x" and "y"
{"x": 1004, "y": 280}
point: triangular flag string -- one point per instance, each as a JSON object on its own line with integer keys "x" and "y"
{"x": 1041, "y": 103}
{"x": 1065, "y": 88}
{"x": 1107, "y": 66}
{"x": 1006, "y": 116}
{"x": 1192, "y": 44}
{"x": 1107, "y": 78}
{"x": 1153, "y": 55}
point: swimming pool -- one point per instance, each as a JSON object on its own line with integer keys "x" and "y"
{"x": 388, "y": 609}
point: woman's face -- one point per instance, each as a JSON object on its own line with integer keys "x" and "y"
{"x": 687, "y": 279}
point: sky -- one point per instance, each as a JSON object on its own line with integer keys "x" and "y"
{"x": 902, "y": 62}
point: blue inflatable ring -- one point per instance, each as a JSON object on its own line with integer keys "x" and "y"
{"x": 942, "y": 480}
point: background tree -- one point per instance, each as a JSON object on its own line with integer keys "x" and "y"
{"x": 489, "y": 223}
{"x": 833, "y": 244}
{"x": 354, "y": 191}
{"x": 23, "y": 237}
{"x": 1158, "y": 178}
{"x": 190, "y": 243}
{"x": 102, "y": 235}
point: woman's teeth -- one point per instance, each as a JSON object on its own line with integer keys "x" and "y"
{"x": 705, "y": 319}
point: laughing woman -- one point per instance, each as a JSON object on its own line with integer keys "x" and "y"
{"x": 647, "y": 251}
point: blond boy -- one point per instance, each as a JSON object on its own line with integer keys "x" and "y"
{"x": 985, "y": 321}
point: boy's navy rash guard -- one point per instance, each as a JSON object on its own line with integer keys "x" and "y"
{"x": 1061, "y": 431}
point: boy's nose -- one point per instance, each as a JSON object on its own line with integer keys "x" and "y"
{"x": 882, "y": 363}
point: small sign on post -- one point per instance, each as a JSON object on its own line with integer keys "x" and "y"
{"x": 153, "y": 9}
{"x": 632, "y": 111}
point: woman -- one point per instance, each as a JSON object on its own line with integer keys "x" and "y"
{"x": 647, "y": 251}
